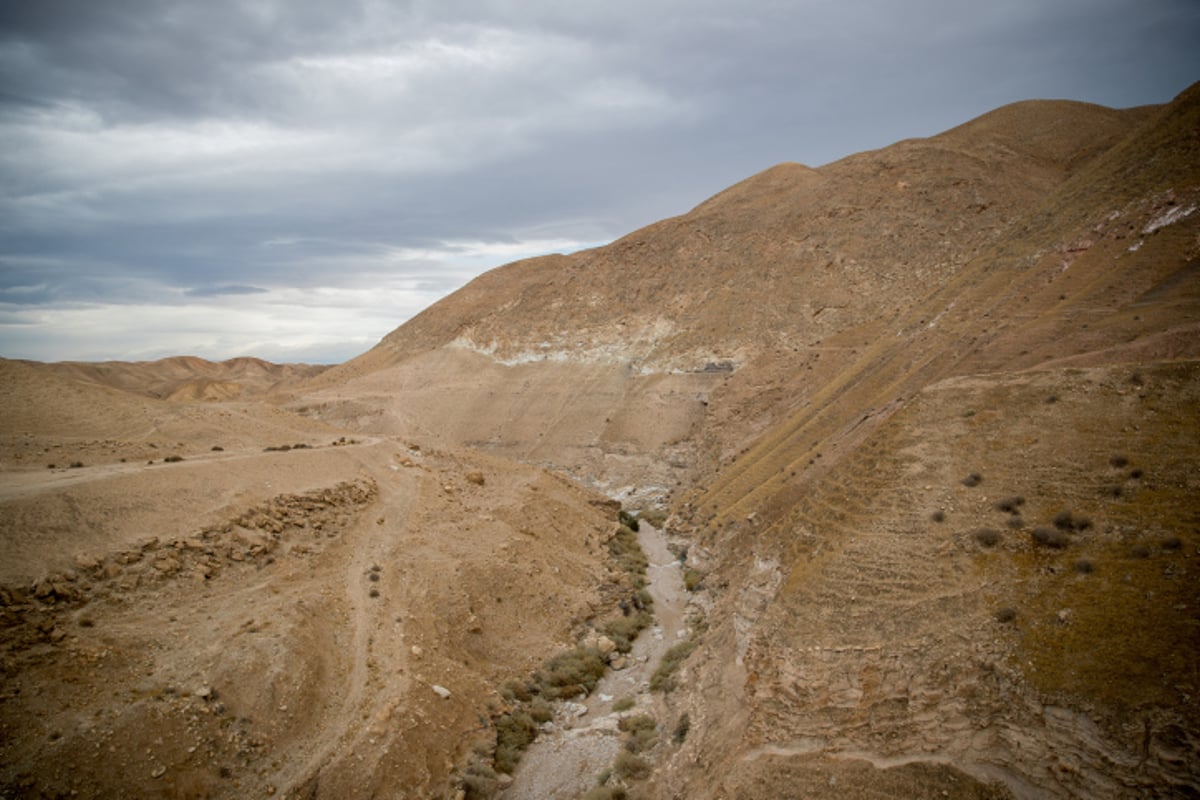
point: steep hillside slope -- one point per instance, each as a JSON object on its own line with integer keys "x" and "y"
{"x": 965, "y": 550}
{"x": 716, "y": 315}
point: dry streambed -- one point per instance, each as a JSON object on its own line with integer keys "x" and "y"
{"x": 585, "y": 737}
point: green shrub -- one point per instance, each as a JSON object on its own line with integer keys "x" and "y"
{"x": 692, "y": 579}
{"x": 630, "y": 767}
{"x": 480, "y": 781}
{"x": 623, "y": 704}
{"x": 514, "y": 733}
{"x": 572, "y": 672}
{"x": 663, "y": 679}
{"x": 628, "y": 520}
{"x": 642, "y": 731}
{"x": 623, "y": 630}
{"x": 541, "y": 710}
{"x": 654, "y": 517}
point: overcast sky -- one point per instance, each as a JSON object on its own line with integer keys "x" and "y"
{"x": 293, "y": 179}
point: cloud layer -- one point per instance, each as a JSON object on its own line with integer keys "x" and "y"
{"x": 295, "y": 179}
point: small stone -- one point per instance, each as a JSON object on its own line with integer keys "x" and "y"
{"x": 204, "y": 692}
{"x": 158, "y": 772}
{"x": 441, "y": 691}
{"x": 86, "y": 562}
{"x": 619, "y": 663}
{"x": 416, "y": 650}
{"x": 476, "y": 477}
{"x": 605, "y": 645}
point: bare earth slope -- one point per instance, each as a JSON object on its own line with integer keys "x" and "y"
{"x": 270, "y": 617}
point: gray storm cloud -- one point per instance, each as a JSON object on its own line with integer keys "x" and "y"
{"x": 221, "y": 166}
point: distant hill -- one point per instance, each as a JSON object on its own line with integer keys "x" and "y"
{"x": 187, "y": 377}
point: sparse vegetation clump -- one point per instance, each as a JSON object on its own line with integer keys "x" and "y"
{"x": 1049, "y": 537}
{"x": 514, "y": 733}
{"x": 1006, "y": 615}
{"x": 173, "y": 459}
{"x": 628, "y": 553}
{"x": 623, "y": 704}
{"x": 1066, "y": 521}
{"x": 623, "y": 630}
{"x": 663, "y": 679}
{"x": 571, "y": 673}
{"x": 692, "y": 579}
{"x": 641, "y": 732}
{"x": 972, "y": 480}
{"x": 1010, "y": 505}
{"x": 938, "y": 516}
{"x": 987, "y": 537}
{"x": 631, "y": 767}
{"x": 628, "y": 520}
{"x": 655, "y": 517}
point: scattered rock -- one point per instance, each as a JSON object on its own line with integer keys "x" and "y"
{"x": 475, "y": 477}
{"x": 441, "y": 691}
{"x": 605, "y": 645}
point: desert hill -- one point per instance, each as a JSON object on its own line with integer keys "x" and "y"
{"x": 919, "y": 425}
{"x": 188, "y": 377}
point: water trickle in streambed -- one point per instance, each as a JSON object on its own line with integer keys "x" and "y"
{"x": 564, "y": 762}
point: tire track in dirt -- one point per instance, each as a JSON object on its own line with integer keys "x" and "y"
{"x": 14, "y": 485}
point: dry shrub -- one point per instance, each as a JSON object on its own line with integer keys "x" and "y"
{"x": 987, "y": 537}
{"x": 1049, "y": 537}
